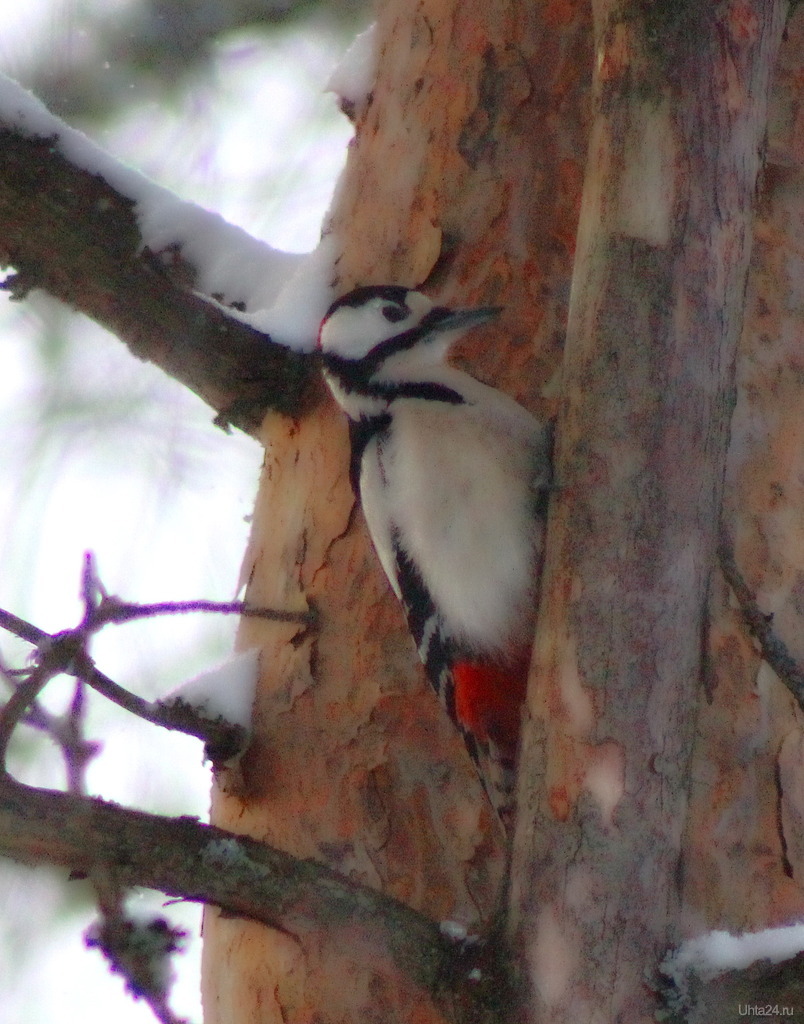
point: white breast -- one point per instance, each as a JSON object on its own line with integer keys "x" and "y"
{"x": 458, "y": 484}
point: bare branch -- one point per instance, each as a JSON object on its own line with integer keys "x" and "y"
{"x": 64, "y": 729}
{"x": 774, "y": 650}
{"x": 102, "y": 608}
{"x": 22, "y": 629}
{"x": 183, "y": 858}
{"x": 68, "y": 653}
{"x": 112, "y": 610}
{"x": 64, "y": 653}
{"x": 17, "y": 705}
{"x": 77, "y": 750}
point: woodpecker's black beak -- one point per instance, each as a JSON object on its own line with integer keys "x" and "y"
{"x": 442, "y": 319}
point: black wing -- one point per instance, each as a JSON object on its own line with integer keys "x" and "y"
{"x": 438, "y": 654}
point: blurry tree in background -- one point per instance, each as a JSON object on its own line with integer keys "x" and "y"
{"x": 84, "y": 59}
{"x": 224, "y": 103}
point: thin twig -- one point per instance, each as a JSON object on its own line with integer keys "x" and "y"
{"x": 112, "y": 610}
{"x": 76, "y": 749}
{"x": 774, "y": 650}
{"x": 56, "y": 654}
{"x": 22, "y": 629}
{"x": 93, "y": 591}
{"x": 101, "y": 607}
{"x": 36, "y": 716}
{"x": 66, "y": 655}
{"x": 17, "y": 705}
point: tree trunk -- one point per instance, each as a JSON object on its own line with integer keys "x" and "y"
{"x": 465, "y": 179}
{"x": 749, "y": 756}
{"x": 602, "y": 855}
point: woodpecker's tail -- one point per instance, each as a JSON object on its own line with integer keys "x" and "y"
{"x": 487, "y": 709}
{"x": 483, "y": 699}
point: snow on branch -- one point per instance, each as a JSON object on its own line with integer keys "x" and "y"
{"x": 228, "y": 262}
{"x": 353, "y": 79}
{"x": 225, "y": 693}
{"x": 717, "y": 952}
{"x": 132, "y": 256}
{"x": 221, "y": 721}
{"x": 719, "y": 977}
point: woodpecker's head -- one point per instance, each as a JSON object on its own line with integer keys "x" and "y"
{"x": 389, "y": 333}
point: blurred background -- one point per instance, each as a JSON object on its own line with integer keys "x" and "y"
{"x": 223, "y": 102}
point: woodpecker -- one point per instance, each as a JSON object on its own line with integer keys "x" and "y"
{"x": 453, "y": 478}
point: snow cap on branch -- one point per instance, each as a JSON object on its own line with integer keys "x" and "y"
{"x": 230, "y": 263}
{"x": 718, "y": 951}
{"x": 226, "y": 692}
{"x": 353, "y": 79}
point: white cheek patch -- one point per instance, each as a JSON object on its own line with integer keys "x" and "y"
{"x": 353, "y": 331}
{"x": 419, "y": 305}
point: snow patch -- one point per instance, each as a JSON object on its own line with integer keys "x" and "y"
{"x": 295, "y": 317}
{"x": 225, "y": 692}
{"x": 230, "y": 262}
{"x": 453, "y": 930}
{"x": 226, "y": 853}
{"x": 354, "y": 77}
{"x": 719, "y": 951}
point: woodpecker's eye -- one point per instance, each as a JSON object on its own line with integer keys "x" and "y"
{"x": 393, "y": 314}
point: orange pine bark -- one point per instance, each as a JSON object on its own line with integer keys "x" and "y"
{"x": 464, "y": 178}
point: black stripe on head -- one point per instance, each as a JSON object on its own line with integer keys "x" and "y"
{"x": 369, "y": 363}
{"x": 356, "y": 373}
{"x": 355, "y": 376}
{"x": 429, "y": 390}
{"x": 406, "y": 340}
{"x": 360, "y": 296}
{"x": 360, "y": 433}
